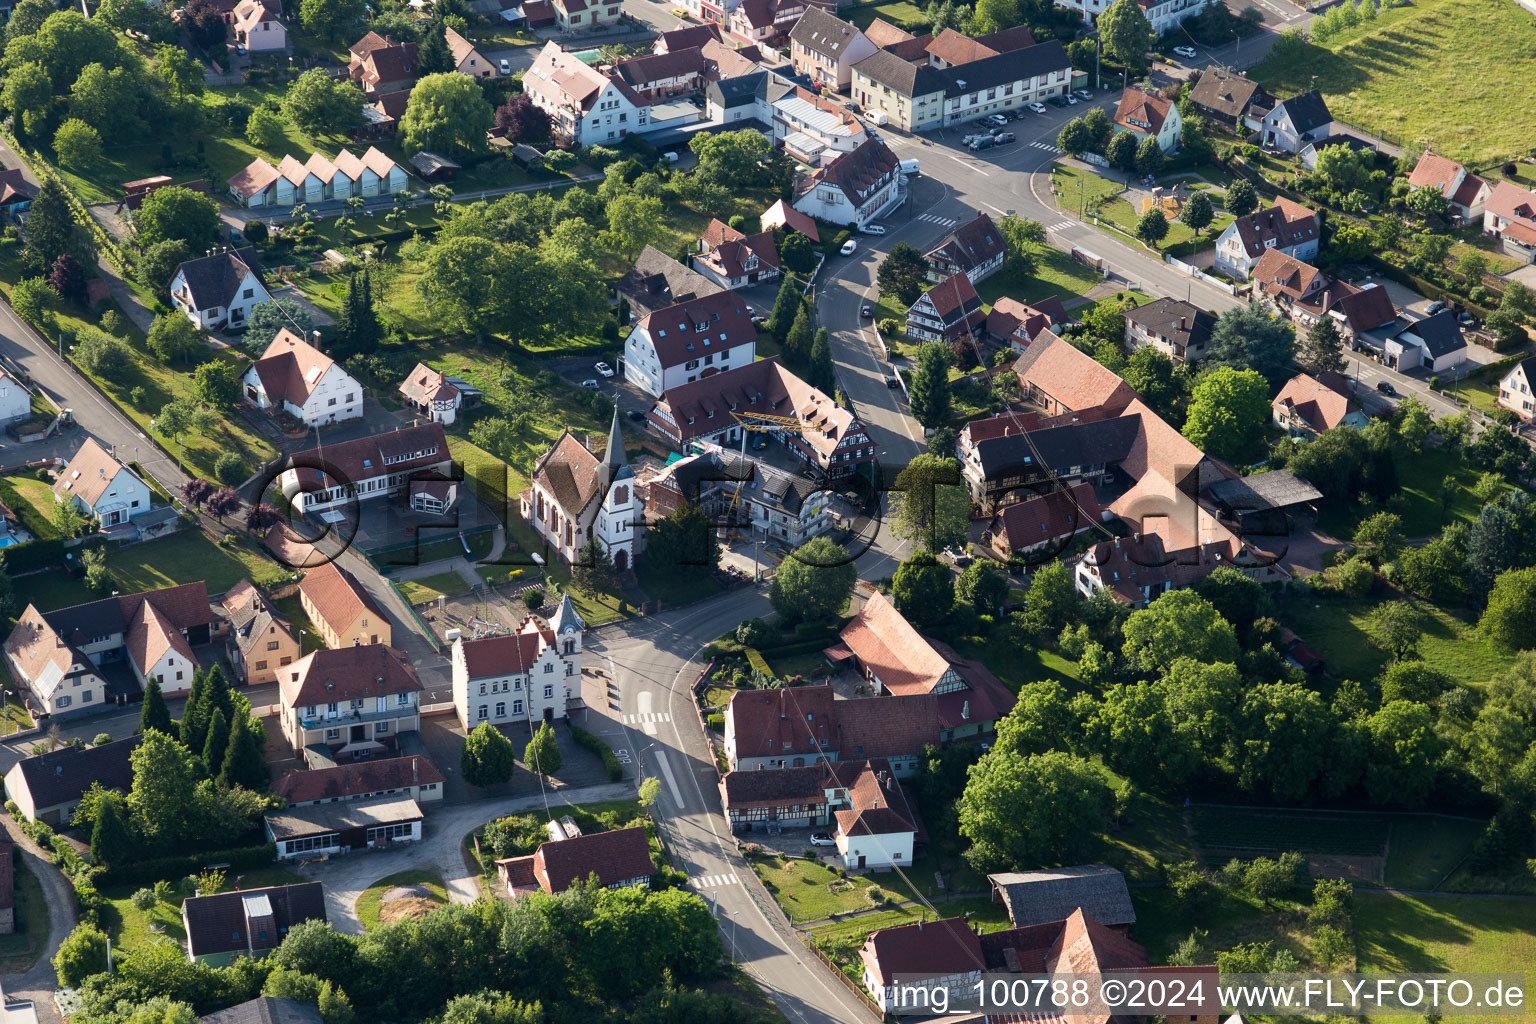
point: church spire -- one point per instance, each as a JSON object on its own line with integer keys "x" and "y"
{"x": 614, "y": 466}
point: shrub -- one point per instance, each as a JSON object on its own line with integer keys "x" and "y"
{"x": 716, "y": 722}
{"x": 890, "y": 327}
{"x": 154, "y": 869}
{"x": 230, "y": 469}
{"x": 588, "y": 741}
{"x": 113, "y": 322}
{"x": 534, "y": 598}
{"x": 101, "y": 738}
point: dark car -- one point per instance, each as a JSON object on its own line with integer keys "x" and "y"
{"x": 892, "y": 382}
{"x": 1003, "y": 138}
{"x": 637, "y": 415}
{"x": 867, "y": 313}
{"x": 1386, "y": 388}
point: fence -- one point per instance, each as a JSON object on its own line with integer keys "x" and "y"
{"x": 851, "y": 985}
{"x": 1194, "y": 271}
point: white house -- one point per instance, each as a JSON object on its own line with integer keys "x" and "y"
{"x": 1295, "y": 122}
{"x": 1466, "y": 193}
{"x": 854, "y": 189}
{"x": 1164, "y": 14}
{"x": 574, "y": 498}
{"x": 1435, "y": 343}
{"x": 733, "y": 260}
{"x": 317, "y": 179}
{"x": 1510, "y": 216}
{"x": 101, "y": 487}
{"x": 259, "y": 28}
{"x": 1286, "y": 226}
{"x": 1008, "y": 72}
{"x": 437, "y": 396}
{"x": 523, "y": 677}
{"x": 297, "y": 378}
{"x": 220, "y": 290}
{"x": 1517, "y": 389}
{"x": 15, "y": 400}
{"x": 584, "y": 105}
{"x": 1149, "y": 115}
{"x": 697, "y": 338}
{"x": 974, "y": 249}
{"x": 366, "y": 468}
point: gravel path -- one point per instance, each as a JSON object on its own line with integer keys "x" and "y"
{"x": 38, "y": 982}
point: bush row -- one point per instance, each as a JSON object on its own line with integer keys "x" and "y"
{"x": 588, "y": 741}
{"x": 155, "y": 869}
{"x": 40, "y": 554}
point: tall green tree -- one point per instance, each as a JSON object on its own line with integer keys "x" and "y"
{"x": 163, "y": 786}
{"x": 1240, "y": 199}
{"x": 1121, "y": 151}
{"x": 318, "y": 102}
{"x": 1290, "y": 736}
{"x": 175, "y": 213}
{"x": 983, "y": 586}
{"x": 446, "y": 113}
{"x": 1228, "y": 413}
{"x": 153, "y": 714}
{"x": 634, "y": 221}
{"x": 1151, "y": 374}
{"x": 785, "y": 306}
{"x": 929, "y": 505}
{"x": 1404, "y": 749}
{"x": 684, "y": 543}
{"x": 1036, "y": 811}
{"x": 1510, "y": 616}
{"x": 243, "y": 762}
{"x": 49, "y": 230}
{"x": 486, "y": 759}
{"x": 923, "y": 590}
{"x": 432, "y": 53}
{"x": 928, "y": 391}
{"x": 994, "y": 15}
{"x": 822, "y": 374}
{"x": 216, "y": 743}
{"x": 1322, "y": 350}
{"x": 542, "y": 755}
{"x": 1127, "y": 33}
{"x": 1152, "y": 228}
{"x": 331, "y": 18}
{"x": 814, "y": 582}
{"x": 111, "y": 841}
{"x": 903, "y": 273}
{"x": 802, "y": 335}
{"x": 194, "y": 715}
{"x": 1177, "y": 624}
{"x": 1149, "y": 157}
{"x": 593, "y": 571}
{"x": 1197, "y": 213}
{"x": 82, "y": 954}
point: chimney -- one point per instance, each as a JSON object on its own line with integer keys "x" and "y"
{"x": 965, "y": 710}
{"x": 316, "y": 335}
{"x": 414, "y": 776}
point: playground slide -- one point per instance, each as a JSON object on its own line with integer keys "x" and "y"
{"x": 464, "y": 542}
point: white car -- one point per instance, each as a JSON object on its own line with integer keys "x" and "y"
{"x": 1071, "y": 100}
{"x": 1000, "y": 120}
{"x": 822, "y": 839}
{"x": 1038, "y": 108}
{"x": 589, "y": 384}
{"x": 506, "y": 66}
{"x": 848, "y": 247}
{"x": 873, "y": 229}
{"x": 1186, "y": 51}
{"x": 604, "y": 369}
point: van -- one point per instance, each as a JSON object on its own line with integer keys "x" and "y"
{"x": 878, "y": 118}
{"x": 670, "y": 156}
{"x": 982, "y": 142}
{"x": 873, "y": 229}
{"x": 909, "y": 167}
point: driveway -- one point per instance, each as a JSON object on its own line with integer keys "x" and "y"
{"x": 440, "y": 850}
{"x": 39, "y": 982}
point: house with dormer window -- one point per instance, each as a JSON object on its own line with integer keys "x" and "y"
{"x": 1149, "y": 115}
{"x": 688, "y": 341}
{"x": 732, "y": 259}
{"x": 528, "y": 676}
{"x": 854, "y": 189}
{"x": 295, "y": 377}
{"x": 366, "y": 468}
{"x": 353, "y": 701}
{"x": 1286, "y": 227}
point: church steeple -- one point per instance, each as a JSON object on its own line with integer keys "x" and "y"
{"x": 614, "y": 465}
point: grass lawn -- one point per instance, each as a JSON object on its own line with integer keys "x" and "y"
{"x": 430, "y": 588}
{"x": 131, "y": 928}
{"x": 897, "y": 12}
{"x": 1377, "y": 76}
{"x": 841, "y": 940}
{"x": 1423, "y": 848}
{"x": 1335, "y": 628}
{"x": 528, "y": 829}
{"x": 1228, "y": 918}
{"x": 1056, "y": 275}
{"x": 21, "y": 948}
{"x": 371, "y": 900}
{"x": 1278, "y": 830}
{"x": 1082, "y": 190}
{"x": 1149, "y": 835}
{"x": 810, "y": 891}
{"x": 32, "y": 501}
{"x": 1420, "y": 478}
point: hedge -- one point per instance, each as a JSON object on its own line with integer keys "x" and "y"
{"x": 587, "y": 741}
{"x": 174, "y": 868}
{"x": 756, "y": 660}
{"x": 40, "y": 554}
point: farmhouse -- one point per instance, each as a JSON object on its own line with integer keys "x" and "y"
{"x": 48, "y": 787}
{"x": 974, "y": 249}
{"x": 854, "y": 189}
{"x": 734, "y": 260}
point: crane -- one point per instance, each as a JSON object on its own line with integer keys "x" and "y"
{"x": 758, "y": 423}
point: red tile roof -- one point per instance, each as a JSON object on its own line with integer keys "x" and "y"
{"x": 781, "y": 214}
{"x": 674, "y": 331}
{"x": 929, "y": 949}
{"x": 1286, "y": 224}
{"x": 1047, "y": 517}
{"x": 614, "y": 856}
{"x": 1142, "y": 111}
{"x": 1012, "y": 320}
{"x": 787, "y": 722}
{"x": 347, "y": 673}
{"x": 500, "y": 655}
{"x": 1322, "y": 403}
{"x": 1512, "y": 203}
{"x": 291, "y": 367}
{"x": 338, "y": 596}
{"x": 1069, "y": 376}
{"x": 359, "y": 780}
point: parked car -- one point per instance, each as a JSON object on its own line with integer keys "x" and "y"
{"x": 998, "y": 119}
{"x": 604, "y": 369}
{"x": 506, "y": 66}
{"x": 1003, "y": 138}
{"x": 1038, "y": 108}
{"x": 892, "y": 382}
{"x": 966, "y": 140}
{"x": 1434, "y": 307}
{"x": 983, "y": 142}
{"x": 848, "y": 247}
{"x": 1086, "y": 94}
{"x": 636, "y": 415}
{"x": 996, "y": 130}
{"x": 867, "y": 313}
{"x": 1386, "y": 388}
{"x": 1059, "y": 101}
{"x": 873, "y": 229}
{"x": 1071, "y": 100}
{"x": 680, "y": 14}
{"x": 589, "y": 384}
{"x": 1186, "y": 51}
{"x": 822, "y": 839}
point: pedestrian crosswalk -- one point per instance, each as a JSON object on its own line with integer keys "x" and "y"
{"x": 648, "y": 717}
{"x": 1045, "y": 146}
{"x": 714, "y": 881}
{"x": 934, "y": 218}
{"x": 1060, "y": 225}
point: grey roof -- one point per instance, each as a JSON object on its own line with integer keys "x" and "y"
{"x": 737, "y": 92}
{"x": 212, "y": 280}
{"x": 1275, "y": 489}
{"x": 226, "y": 923}
{"x": 1101, "y": 442}
{"x": 1041, "y": 897}
{"x": 1307, "y": 111}
{"x": 61, "y": 776}
{"x": 989, "y": 72}
{"x": 293, "y": 822}
{"x": 657, "y": 281}
{"x": 427, "y": 162}
{"x": 1440, "y": 333}
{"x": 266, "y": 1010}
{"x": 1184, "y": 322}
{"x": 615, "y": 466}
{"x": 906, "y": 78}
{"x": 821, "y": 32}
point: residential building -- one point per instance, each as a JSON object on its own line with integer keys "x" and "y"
{"x": 574, "y": 498}
{"x": 661, "y": 76}
{"x": 949, "y": 312}
{"x": 975, "y": 249}
{"x": 918, "y": 96}
{"x": 316, "y": 180}
{"x": 750, "y": 494}
{"x": 829, "y": 439}
{"x": 1058, "y": 450}
{"x": 528, "y": 676}
{"x": 741, "y": 101}
{"x": 782, "y": 215}
{"x": 1304, "y": 294}
{"x": 575, "y": 16}
{"x": 221, "y": 289}
{"x": 703, "y": 336}
{"x": 414, "y": 777}
{"x": 100, "y": 487}
{"x": 1054, "y": 894}
{"x": 1313, "y": 150}
{"x": 1043, "y": 524}
{"x": 1059, "y": 378}
{"x": 584, "y": 105}
{"x": 658, "y": 281}
{"x": 825, "y": 48}
{"x": 1434, "y": 343}
{"x": 1466, "y": 193}
{"x": 341, "y": 609}
{"x": 1509, "y": 214}
{"x": 259, "y": 28}
{"x": 353, "y": 702}
{"x": 793, "y": 727}
{"x": 438, "y": 396}
{"x": 619, "y": 858}
{"x": 1149, "y": 115}
{"x": 723, "y": 61}
{"x": 260, "y": 639}
{"x": 1517, "y": 389}
{"x": 380, "y": 65}
{"x": 323, "y": 830}
{"x": 365, "y": 468}
{"x": 1231, "y": 98}
{"x": 1289, "y": 227}
{"x": 735, "y": 260}
{"x": 48, "y": 787}
{"x": 15, "y": 400}
{"x": 220, "y": 927}
{"x": 266, "y": 1010}
{"x": 295, "y": 377}
{"x": 1291, "y": 124}
{"x": 689, "y": 36}
{"x": 945, "y": 954}
{"x": 467, "y": 60}
{"x": 1307, "y": 406}
{"x": 1017, "y": 324}
{"x": 71, "y": 660}
{"x": 853, "y": 190}
{"x": 763, "y": 21}
{"x": 811, "y": 128}
{"x": 16, "y": 192}
{"x": 1165, "y": 15}
{"x": 1178, "y": 329}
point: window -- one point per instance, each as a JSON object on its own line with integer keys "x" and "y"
{"x": 380, "y": 728}
{"x": 548, "y": 667}
{"x": 272, "y": 645}
{"x": 350, "y": 396}
{"x": 517, "y": 707}
{"x": 260, "y": 665}
{"x": 482, "y": 689}
{"x": 549, "y": 691}
{"x": 501, "y": 709}
{"x": 287, "y": 660}
{"x": 482, "y": 715}
{"x": 249, "y": 291}
{"x": 63, "y": 702}
{"x": 333, "y": 734}
{"x": 403, "y": 699}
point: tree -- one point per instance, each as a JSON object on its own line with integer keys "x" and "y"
{"x": 1322, "y": 350}
{"x": 1052, "y": 601}
{"x": 49, "y": 231}
{"x": 1290, "y": 736}
{"x": 928, "y": 388}
{"x": 814, "y": 582}
{"x": 1127, "y": 33}
{"x": 175, "y": 336}
{"x": 460, "y": 281}
{"x": 735, "y": 160}
{"x": 1251, "y": 338}
{"x": 1151, "y": 373}
{"x": 542, "y": 755}
{"x": 903, "y": 273}
{"x": 162, "y": 795}
{"x": 650, "y": 789}
{"x": 432, "y": 55}
{"x": 265, "y": 129}
{"x": 1177, "y": 624}
{"x": 1149, "y": 157}
{"x": 822, "y": 373}
{"x": 82, "y": 954}
{"x": 1022, "y": 239}
{"x": 1395, "y": 627}
{"x": 785, "y": 306}
{"x": 446, "y": 112}
{"x": 334, "y": 1006}
{"x": 1197, "y": 213}
{"x": 1381, "y": 536}
{"x": 1236, "y": 596}
{"x": 217, "y": 383}
{"x": 993, "y": 16}
{"x": 1074, "y": 137}
{"x": 983, "y": 586}
{"x": 634, "y": 221}
{"x": 1413, "y": 680}
{"x": 1152, "y": 228}
{"x": 176, "y": 213}
{"x": 1021, "y": 813}
{"x": 223, "y": 502}
{"x": 1403, "y": 751}
{"x": 801, "y": 337}
{"x": 329, "y": 17}
{"x": 1428, "y": 201}
{"x": 797, "y": 254}
{"x": 1121, "y": 151}
{"x": 111, "y": 841}
{"x": 594, "y": 571}
{"x": 216, "y": 741}
{"x": 1510, "y": 616}
{"x": 66, "y": 278}
{"x": 923, "y": 590}
{"x": 153, "y": 714}
{"x": 35, "y": 301}
{"x": 486, "y": 758}
{"x": 522, "y": 120}
{"x": 1435, "y": 571}
{"x": 205, "y": 24}
{"x": 183, "y": 76}
{"x": 267, "y": 318}
{"x": 244, "y": 764}
{"x": 157, "y": 264}
{"x": 1100, "y": 129}
{"x": 1228, "y": 413}
{"x": 929, "y": 505}
{"x": 97, "y": 576}
{"x": 77, "y": 144}
{"x": 65, "y": 45}
{"x": 1241, "y": 200}
{"x": 28, "y": 95}
{"x": 318, "y": 103}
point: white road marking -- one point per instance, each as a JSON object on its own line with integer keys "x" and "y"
{"x": 647, "y": 717}
{"x": 1045, "y": 146}
{"x": 666, "y": 773}
{"x": 714, "y": 881}
{"x": 995, "y": 209}
{"x": 644, "y": 717}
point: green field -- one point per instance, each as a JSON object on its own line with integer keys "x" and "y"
{"x": 369, "y": 903}
{"x": 1265, "y": 829}
{"x": 1424, "y": 848}
{"x": 130, "y": 928}
{"x": 1225, "y": 918}
{"x": 1056, "y": 275}
{"x": 1083, "y": 190}
{"x": 900, "y": 13}
{"x": 810, "y": 891}
{"x": 1434, "y": 70}
{"x": 430, "y": 588}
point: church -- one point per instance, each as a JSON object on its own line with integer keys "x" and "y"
{"x": 575, "y": 496}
